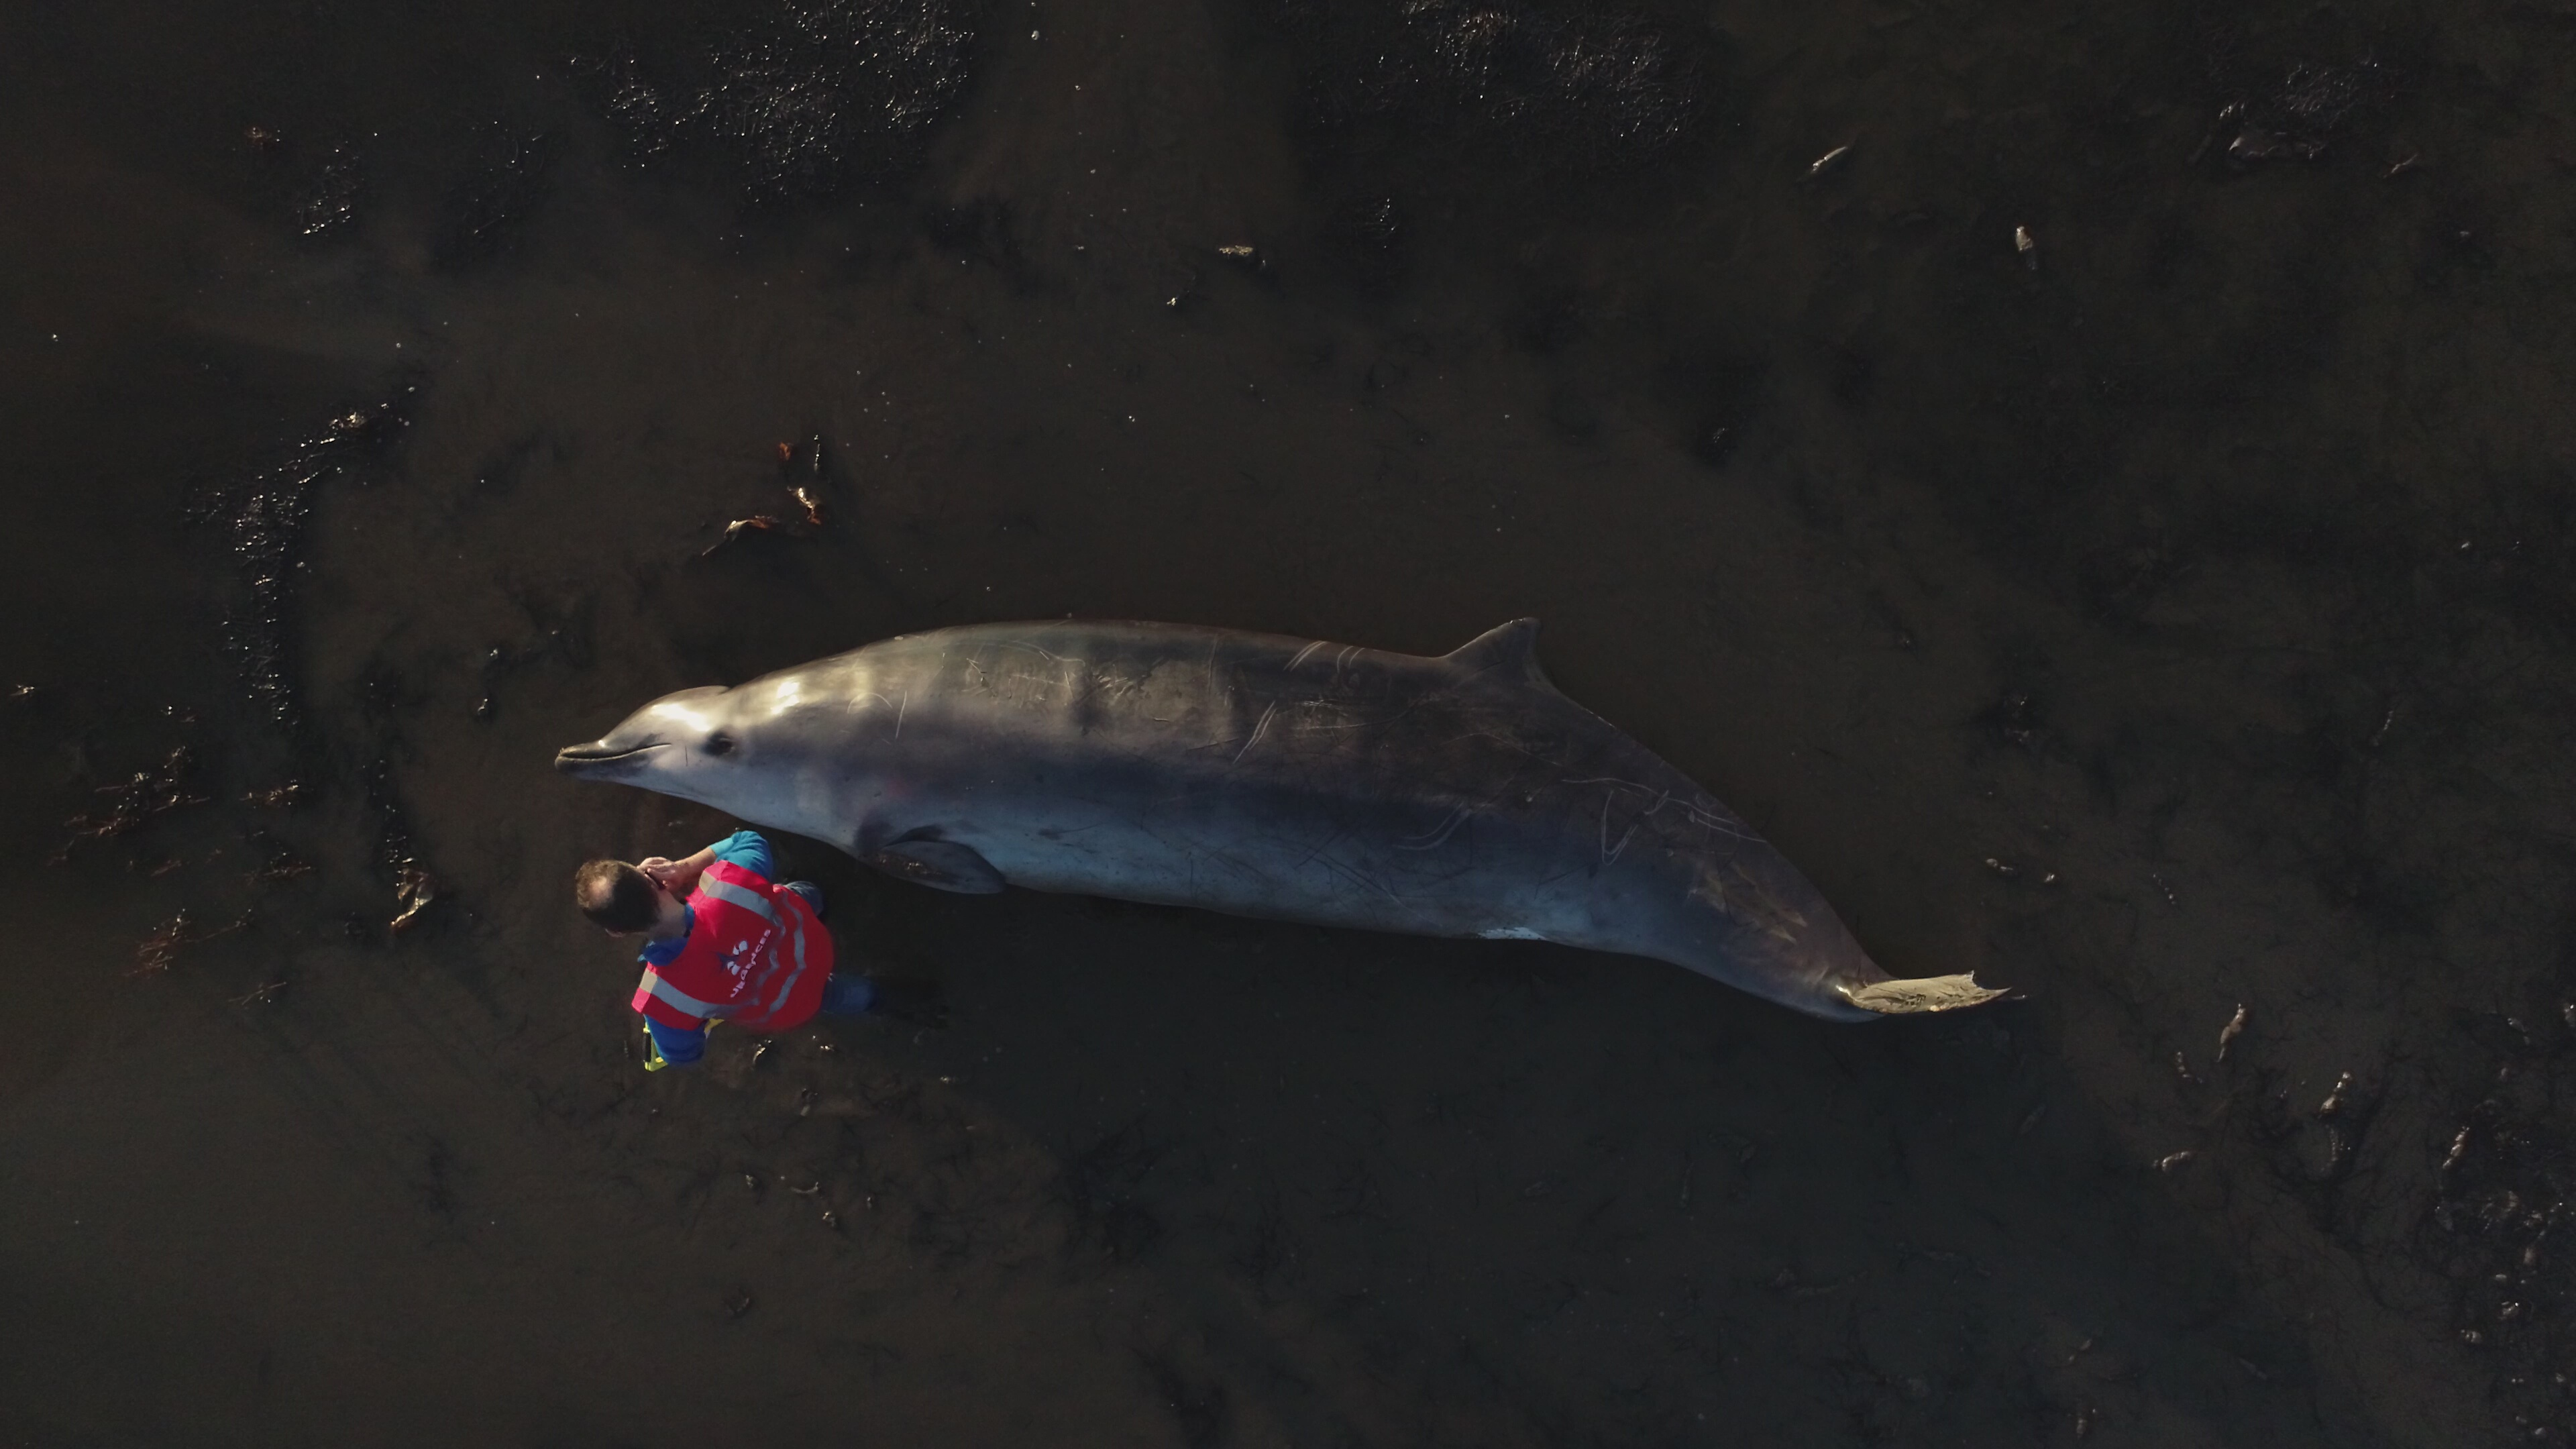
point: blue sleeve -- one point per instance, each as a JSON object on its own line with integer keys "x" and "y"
{"x": 746, "y": 849}
{"x": 678, "y": 1046}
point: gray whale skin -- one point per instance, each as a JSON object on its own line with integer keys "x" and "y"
{"x": 1263, "y": 776}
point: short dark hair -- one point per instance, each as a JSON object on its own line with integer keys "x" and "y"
{"x": 617, "y": 895}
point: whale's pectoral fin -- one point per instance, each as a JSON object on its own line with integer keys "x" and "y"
{"x": 1924, "y": 994}
{"x": 1507, "y": 652}
{"x": 939, "y": 864}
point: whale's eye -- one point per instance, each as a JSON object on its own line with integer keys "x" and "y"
{"x": 719, "y": 744}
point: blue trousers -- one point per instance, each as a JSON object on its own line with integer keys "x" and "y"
{"x": 846, "y": 995}
{"x": 842, "y": 995}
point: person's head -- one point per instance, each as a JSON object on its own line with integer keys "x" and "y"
{"x": 620, "y": 898}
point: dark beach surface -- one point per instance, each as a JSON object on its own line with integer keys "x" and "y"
{"x": 2111, "y": 526}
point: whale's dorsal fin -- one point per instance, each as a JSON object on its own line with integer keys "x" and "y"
{"x": 1507, "y": 652}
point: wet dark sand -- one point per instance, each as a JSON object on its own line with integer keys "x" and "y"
{"x": 2180, "y": 623}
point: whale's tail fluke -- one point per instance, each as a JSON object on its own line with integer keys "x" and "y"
{"x": 1920, "y": 995}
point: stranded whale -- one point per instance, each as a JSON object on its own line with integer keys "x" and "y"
{"x": 1263, "y": 776}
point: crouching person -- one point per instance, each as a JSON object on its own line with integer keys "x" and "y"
{"x": 722, "y": 942}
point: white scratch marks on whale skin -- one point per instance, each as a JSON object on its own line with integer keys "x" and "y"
{"x": 1610, "y": 853}
{"x": 1330, "y": 841}
{"x": 1510, "y": 933}
{"x": 1365, "y": 881}
{"x": 1731, "y": 829}
{"x": 1035, "y": 649}
{"x": 1302, "y": 653}
{"x": 1438, "y": 835}
{"x": 1258, "y": 729}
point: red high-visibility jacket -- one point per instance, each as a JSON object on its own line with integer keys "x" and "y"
{"x": 756, "y": 956}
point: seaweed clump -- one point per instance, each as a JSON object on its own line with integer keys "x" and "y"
{"x": 1415, "y": 115}
{"x": 263, "y": 517}
{"x": 326, "y": 205}
{"x": 812, "y": 102}
{"x": 2504, "y": 1201}
{"x": 486, "y": 211}
{"x": 2295, "y": 117}
{"x": 1591, "y": 91}
{"x": 384, "y": 695}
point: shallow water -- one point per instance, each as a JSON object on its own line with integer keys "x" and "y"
{"x": 2165, "y": 618}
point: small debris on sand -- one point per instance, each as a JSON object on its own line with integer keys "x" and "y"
{"x": 160, "y": 950}
{"x": 2228, "y": 1034}
{"x": 140, "y": 798}
{"x": 809, "y": 503}
{"x": 757, "y": 523}
{"x": 414, "y": 889}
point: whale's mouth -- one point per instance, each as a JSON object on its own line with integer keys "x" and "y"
{"x": 574, "y": 759}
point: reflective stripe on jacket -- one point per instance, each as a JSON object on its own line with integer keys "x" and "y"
{"x": 756, "y": 956}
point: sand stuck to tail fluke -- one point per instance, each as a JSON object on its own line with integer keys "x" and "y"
{"x": 1924, "y": 994}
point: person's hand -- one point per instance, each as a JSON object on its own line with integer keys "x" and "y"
{"x": 658, "y": 869}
